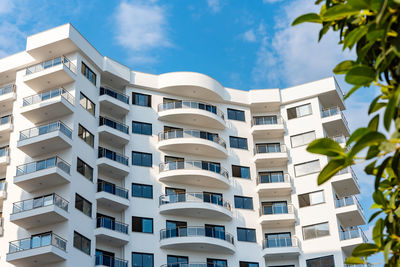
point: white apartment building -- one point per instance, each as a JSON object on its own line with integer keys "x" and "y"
{"x": 105, "y": 166}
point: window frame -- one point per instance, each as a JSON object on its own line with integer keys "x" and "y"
{"x": 141, "y": 128}
{"x": 319, "y": 258}
{"x": 140, "y": 94}
{"x": 242, "y": 200}
{"x": 302, "y": 163}
{"x": 142, "y": 253}
{"x": 85, "y": 70}
{"x": 90, "y": 135}
{"x": 88, "y": 167}
{"x": 82, "y": 237}
{"x": 135, "y": 229}
{"x": 236, "y": 111}
{"x": 87, "y": 99}
{"x": 142, "y": 185}
{"x": 313, "y": 225}
{"x": 141, "y": 159}
{"x": 238, "y": 139}
{"x": 308, "y": 194}
{"x": 247, "y": 231}
{"x": 295, "y": 108}
{"x": 296, "y": 135}
{"x": 84, "y": 200}
{"x": 240, "y": 170}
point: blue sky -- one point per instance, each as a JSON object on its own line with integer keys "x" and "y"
{"x": 242, "y": 44}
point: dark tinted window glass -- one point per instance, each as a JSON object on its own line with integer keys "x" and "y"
{"x": 141, "y": 100}
{"x": 246, "y": 234}
{"x": 82, "y": 243}
{"x": 142, "y": 159}
{"x": 240, "y": 171}
{"x": 142, "y": 190}
{"x": 84, "y": 169}
{"x": 88, "y": 73}
{"x": 327, "y": 261}
{"x": 142, "y": 259}
{"x": 234, "y": 114}
{"x": 83, "y": 205}
{"x": 143, "y": 225}
{"x": 141, "y": 128}
{"x": 238, "y": 142}
{"x": 243, "y": 202}
{"x": 248, "y": 264}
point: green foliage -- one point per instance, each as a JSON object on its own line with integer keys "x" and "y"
{"x": 372, "y": 29}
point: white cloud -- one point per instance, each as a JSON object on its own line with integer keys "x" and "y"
{"x": 214, "y": 5}
{"x": 249, "y": 36}
{"x": 6, "y": 6}
{"x": 11, "y": 39}
{"x": 141, "y": 28}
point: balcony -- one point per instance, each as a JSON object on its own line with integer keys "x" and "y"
{"x": 6, "y": 127}
{"x": 37, "y": 250}
{"x": 197, "y": 238}
{"x": 334, "y": 122}
{"x": 274, "y": 185}
{"x": 345, "y": 183}
{"x": 341, "y": 139}
{"x": 274, "y": 248}
{"x": 4, "y": 158}
{"x": 200, "y": 205}
{"x": 277, "y": 216}
{"x": 7, "y": 96}
{"x": 111, "y": 232}
{"x": 112, "y": 196}
{"x": 107, "y": 261}
{"x": 40, "y": 211}
{"x": 350, "y": 238}
{"x": 114, "y": 132}
{"x": 47, "y": 106}
{"x": 194, "y": 264}
{"x": 194, "y": 173}
{"x": 42, "y": 174}
{"x": 193, "y": 142}
{"x": 112, "y": 163}
{"x": 3, "y": 192}
{"x": 270, "y": 155}
{"x": 267, "y": 127}
{"x": 45, "y": 139}
{"x": 50, "y": 73}
{"x": 349, "y": 211}
{"x": 192, "y": 113}
{"x": 113, "y": 102}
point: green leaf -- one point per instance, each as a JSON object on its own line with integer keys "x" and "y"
{"x": 386, "y": 251}
{"x": 377, "y": 232}
{"x": 375, "y": 106}
{"x": 310, "y": 17}
{"x": 354, "y": 260}
{"x": 357, "y": 134}
{"x": 373, "y": 151}
{"x": 369, "y": 139}
{"x": 352, "y": 90}
{"x": 354, "y": 36}
{"x": 374, "y": 35}
{"x": 369, "y": 169}
{"x": 395, "y": 163}
{"x": 379, "y": 198}
{"x": 380, "y": 171}
{"x": 360, "y": 76}
{"x": 373, "y": 216}
{"x": 339, "y": 11}
{"x": 325, "y": 146}
{"x": 390, "y": 109}
{"x": 374, "y": 123}
{"x": 359, "y": 4}
{"x": 344, "y": 66}
{"x": 397, "y": 212}
{"x": 364, "y": 250}
{"x": 331, "y": 169}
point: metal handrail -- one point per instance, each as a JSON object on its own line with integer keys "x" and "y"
{"x": 104, "y": 222}
{"x": 191, "y": 105}
{"x": 39, "y": 202}
{"x": 286, "y": 209}
{"x": 115, "y": 190}
{"x": 285, "y": 178}
{"x": 266, "y": 120}
{"x": 353, "y": 174}
{"x": 47, "y": 239}
{"x": 51, "y": 63}
{"x": 352, "y": 233}
{"x": 185, "y": 231}
{"x": 333, "y": 111}
{"x": 114, "y": 94}
{"x": 280, "y": 242}
{"x": 349, "y": 201}
{"x": 105, "y": 260}
{"x": 106, "y": 153}
{"x": 194, "y": 264}
{"x": 113, "y": 124}
{"x": 193, "y": 165}
{"x": 189, "y": 134}
{"x": 37, "y": 98}
{"x": 5, "y": 119}
{"x": 45, "y": 129}
{"x": 200, "y": 197}
{"x": 4, "y": 151}
{"x": 43, "y": 164}
{"x": 7, "y": 89}
{"x": 269, "y": 148}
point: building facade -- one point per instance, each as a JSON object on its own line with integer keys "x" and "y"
{"x": 105, "y": 166}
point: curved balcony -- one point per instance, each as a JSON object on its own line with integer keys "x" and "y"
{"x": 194, "y": 173}
{"x": 192, "y": 113}
{"x": 281, "y": 247}
{"x": 114, "y": 102}
{"x": 113, "y": 132}
{"x": 274, "y": 185}
{"x": 7, "y": 96}
{"x": 112, "y": 163}
{"x": 196, "y": 238}
{"x": 111, "y": 232}
{"x": 277, "y": 216}
{"x": 112, "y": 196}
{"x": 193, "y": 142}
{"x": 6, "y": 126}
{"x": 270, "y": 155}
{"x": 202, "y": 205}
{"x": 267, "y": 126}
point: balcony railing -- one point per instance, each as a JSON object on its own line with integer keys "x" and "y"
{"x": 106, "y": 153}
{"x": 7, "y": 89}
{"x": 45, "y": 129}
{"x": 3, "y": 185}
{"x": 51, "y": 63}
{"x": 193, "y": 165}
{"x": 119, "y": 96}
{"x": 266, "y": 120}
{"x": 194, "y": 264}
{"x": 282, "y": 242}
{"x": 353, "y": 233}
{"x": 4, "y": 151}
{"x": 190, "y": 134}
{"x": 5, "y": 119}
{"x": 339, "y": 138}
{"x": 104, "y": 222}
{"x": 112, "y": 189}
{"x": 333, "y": 111}
{"x": 40, "y": 202}
{"x": 273, "y": 178}
{"x": 196, "y": 231}
{"x": 269, "y": 148}
{"x": 114, "y": 124}
{"x": 104, "y": 260}
{"x": 353, "y": 174}
{"x": 33, "y": 99}
{"x": 191, "y": 105}
{"x": 195, "y": 197}
{"x": 37, "y": 241}
{"x": 276, "y": 209}
{"x": 43, "y": 164}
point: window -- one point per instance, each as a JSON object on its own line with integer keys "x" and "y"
{"x": 311, "y": 199}
{"x": 307, "y": 168}
{"x": 238, "y": 142}
{"x": 141, "y": 128}
{"x": 142, "y": 190}
{"x": 275, "y": 207}
{"x": 82, "y": 243}
{"x": 247, "y": 264}
{"x": 315, "y": 231}
{"x": 88, "y": 73}
{"x": 142, "y": 225}
{"x": 240, "y": 171}
{"x": 217, "y": 263}
{"x": 141, "y": 99}
{"x": 177, "y": 261}
{"x": 142, "y": 259}
{"x": 326, "y": 261}
{"x": 84, "y": 169}
{"x": 87, "y": 104}
{"x": 271, "y": 177}
{"x": 237, "y": 115}
{"x": 246, "y": 234}
{"x": 83, "y": 205}
{"x": 243, "y": 202}
{"x": 299, "y": 111}
{"x": 302, "y": 139}
{"x": 142, "y": 159}
{"x": 85, "y": 135}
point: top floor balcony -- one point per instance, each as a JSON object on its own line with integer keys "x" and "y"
{"x": 50, "y": 73}
{"x": 267, "y": 126}
{"x": 112, "y": 101}
{"x": 192, "y": 113}
{"x": 7, "y": 96}
{"x": 334, "y": 122}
